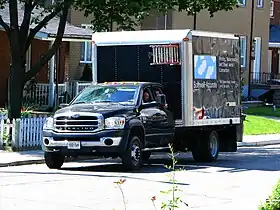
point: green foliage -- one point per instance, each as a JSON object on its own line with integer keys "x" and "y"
{"x": 172, "y": 203}
{"x": 175, "y": 200}
{"x": 212, "y": 6}
{"x": 126, "y": 14}
{"x": 273, "y": 201}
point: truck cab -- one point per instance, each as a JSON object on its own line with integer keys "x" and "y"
{"x": 116, "y": 119}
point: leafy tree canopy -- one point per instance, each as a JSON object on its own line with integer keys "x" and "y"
{"x": 127, "y": 13}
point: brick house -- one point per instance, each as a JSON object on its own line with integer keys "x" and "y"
{"x": 274, "y": 41}
{"x": 40, "y": 44}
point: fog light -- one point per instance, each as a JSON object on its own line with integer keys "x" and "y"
{"x": 108, "y": 142}
{"x": 46, "y": 141}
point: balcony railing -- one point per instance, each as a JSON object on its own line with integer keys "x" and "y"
{"x": 264, "y": 78}
{"x": 37, "y": 94}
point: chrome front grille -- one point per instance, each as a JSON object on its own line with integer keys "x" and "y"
{"x": 78, "y": 123}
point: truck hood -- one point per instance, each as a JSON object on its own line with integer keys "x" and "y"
{"x": 106, "y": 109}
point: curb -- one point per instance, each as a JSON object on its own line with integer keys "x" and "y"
{"x": 40, "y": 161}
{"x": 24, "y": 162}
{"x": 256, "y": 144}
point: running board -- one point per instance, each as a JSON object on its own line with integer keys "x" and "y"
{"x": 157, "y": 149}
{"x": 163, "y": 149}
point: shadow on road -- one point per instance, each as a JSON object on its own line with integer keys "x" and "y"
{"x": 261, "y": 159}
{"x": 258, "y": 158}
{"x": 89, "y": 172}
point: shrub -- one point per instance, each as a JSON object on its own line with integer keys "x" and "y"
{"x": 174, "y": 201}
{"x": 273, "y": 201}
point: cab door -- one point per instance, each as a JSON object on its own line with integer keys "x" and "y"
{"x": 166, "y": 123}
{"x": 151, "y": 117}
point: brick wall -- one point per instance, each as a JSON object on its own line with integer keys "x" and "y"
{"x": 5, "y": 68}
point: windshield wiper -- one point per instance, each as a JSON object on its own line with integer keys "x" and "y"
{"x": 81, "y": 102}
{"x": 108, "y": 101}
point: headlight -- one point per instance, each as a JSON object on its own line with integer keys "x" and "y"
{"x": 48, "y": 125}
{"x": 114, "y": 123}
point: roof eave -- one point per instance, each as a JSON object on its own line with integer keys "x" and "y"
{"x": 66, "y": 38}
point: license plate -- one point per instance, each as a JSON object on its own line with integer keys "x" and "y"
{"x": 74, "y": 145}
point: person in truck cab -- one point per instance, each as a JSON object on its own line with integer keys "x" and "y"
{"x": 158, "y": 92}
{"x": 146, "y": 97}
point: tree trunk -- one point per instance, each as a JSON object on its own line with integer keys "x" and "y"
{"x": 15, "y": 91}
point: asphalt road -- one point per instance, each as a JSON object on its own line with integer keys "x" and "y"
{"x": 237, "y": 180}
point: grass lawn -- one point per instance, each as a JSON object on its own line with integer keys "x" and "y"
{"x": 256, "y": 125}
{"x": 262, "y": 111}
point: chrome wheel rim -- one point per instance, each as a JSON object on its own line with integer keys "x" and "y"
{"x": 135, "y": 153}
{"x": 213, "y": 146}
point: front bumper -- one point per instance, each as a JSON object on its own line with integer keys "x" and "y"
{"x": 105, "y": 141}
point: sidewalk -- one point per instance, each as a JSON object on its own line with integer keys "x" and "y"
{"x": 259, "y": 140}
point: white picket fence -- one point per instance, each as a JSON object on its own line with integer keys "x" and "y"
{"x": 3, "y": 130}
{"x": 26, "y": 133}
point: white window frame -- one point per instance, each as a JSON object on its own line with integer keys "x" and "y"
{"x": 86, "y": 47}
{"x": 257, "y": 60}
{"x": 272, "y": 8}
{"x": 241, "y": 2}
{"x": 243, "y": 51}
{"x": 259, "y": 3}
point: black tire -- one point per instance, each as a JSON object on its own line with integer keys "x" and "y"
{"x": 54, "y": 160}
{"x": 132, "y": 157}
{"x": 208, "y": 149}
{"x": 146, "y": 156}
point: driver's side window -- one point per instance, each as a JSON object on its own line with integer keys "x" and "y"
{"x": 147, "y": 96}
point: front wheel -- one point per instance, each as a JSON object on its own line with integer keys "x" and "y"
{"x": 208, "y": 149}
{"x": 132, "y": 157}
{"x": 54, "y": 160}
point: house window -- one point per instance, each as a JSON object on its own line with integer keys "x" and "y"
{"x": 86, "y": 48}
{"x": 260, "y": 3}
{"x": 242, "y": 2}
{"x": 243, "y": 50}
{"x": 271, "y": 8}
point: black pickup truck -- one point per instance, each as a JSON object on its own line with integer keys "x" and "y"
{"x": 119, "y": 119}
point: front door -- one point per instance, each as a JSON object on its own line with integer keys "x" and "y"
{"x": 152, "y": 118}
{"x": 166, "y": 125}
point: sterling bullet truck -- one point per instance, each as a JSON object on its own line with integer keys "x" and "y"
{"x": 150, "y": 89}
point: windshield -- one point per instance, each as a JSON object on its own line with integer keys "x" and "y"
{"x": 107, "y": 94}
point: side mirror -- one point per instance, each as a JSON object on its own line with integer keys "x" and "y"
{"x": 60, "y": 106}
{"x": 161, "y": 99}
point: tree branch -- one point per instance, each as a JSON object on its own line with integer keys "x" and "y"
{"x": 24, "y": 28}
{"x": 40, "y": 25}
{"x": 5, "y": 26}
{"x": 49, "y": 54}
{"x": 13, "y": 9}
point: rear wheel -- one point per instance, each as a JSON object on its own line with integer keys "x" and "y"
{"x": 54, "y": 160}
{"x": 132, "y": 157}
{"x": 208, "y": 149}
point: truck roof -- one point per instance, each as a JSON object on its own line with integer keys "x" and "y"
{"x": 146, "y": 37}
